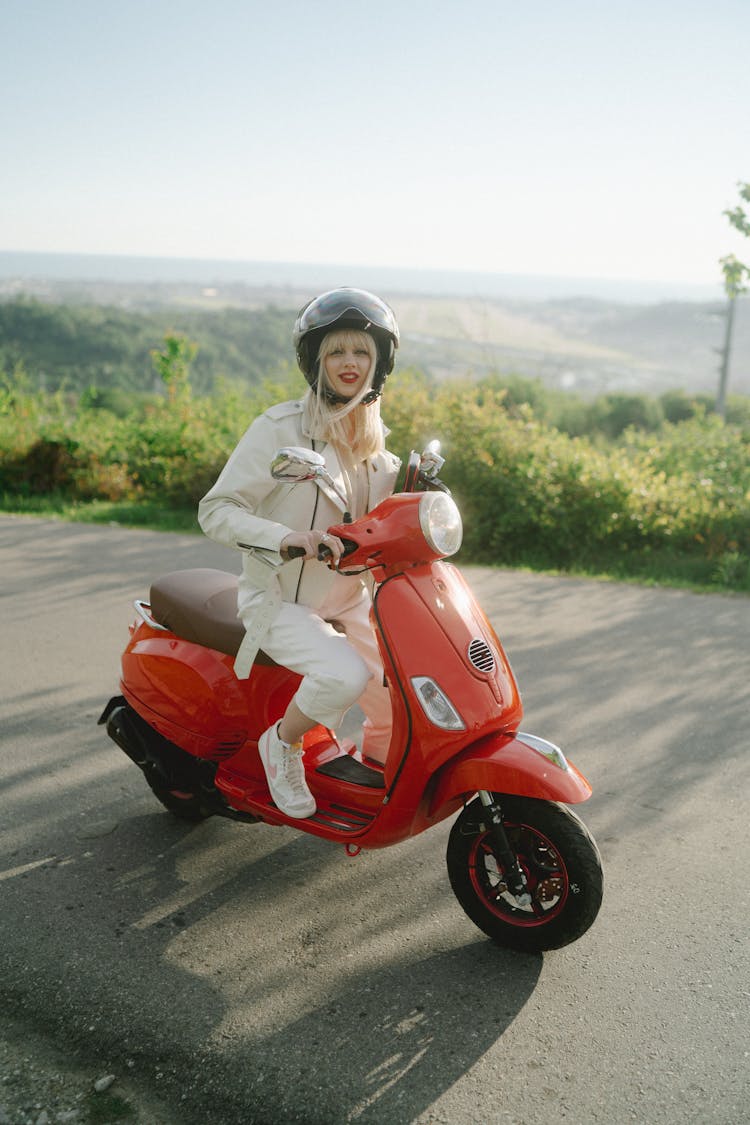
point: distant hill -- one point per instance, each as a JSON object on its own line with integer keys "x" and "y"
{"x": 84, "y": 345}
{"x": 101, "y": 330}
{"x": 580, "y": 344}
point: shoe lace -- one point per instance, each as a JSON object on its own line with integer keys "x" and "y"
{"x": 294, "y": 772}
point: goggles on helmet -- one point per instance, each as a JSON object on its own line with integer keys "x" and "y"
{"x": 356, "y": 305}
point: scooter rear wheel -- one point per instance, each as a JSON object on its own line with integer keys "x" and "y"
{"x": 181, "y": 803}
{"x": 558, "y": 857}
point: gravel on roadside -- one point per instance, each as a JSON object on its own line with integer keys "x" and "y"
{"x": 41, "y": 1085}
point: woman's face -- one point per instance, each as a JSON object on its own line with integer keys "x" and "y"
{"x": 347, "y": 364}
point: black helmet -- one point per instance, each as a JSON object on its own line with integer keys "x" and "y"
{"x": 341, "y": 309}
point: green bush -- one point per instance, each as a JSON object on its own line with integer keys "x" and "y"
{"x": 676, "y": 497}
{"x": 533, "y": 495}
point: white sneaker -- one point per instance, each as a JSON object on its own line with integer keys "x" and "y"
{"x": 285, "y": 775}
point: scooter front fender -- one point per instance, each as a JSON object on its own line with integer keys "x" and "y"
{"x": 521, "y": 764}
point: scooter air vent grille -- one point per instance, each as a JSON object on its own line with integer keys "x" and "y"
{"x": 480, "y": 655}
{"x": 229, "y": 747}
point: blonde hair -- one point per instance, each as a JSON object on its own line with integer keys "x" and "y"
{"x": 325, "y": 419}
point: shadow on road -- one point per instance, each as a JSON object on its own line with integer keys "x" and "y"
{"x": 389, "y": 1042}
{"x": 644, "y": 676}
{"x": 238, "y": 941}
{"x": 259, "y": 976}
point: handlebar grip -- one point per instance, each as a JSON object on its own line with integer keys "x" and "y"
{"x": 324, "y": 552}
{"x": 294, "y": 552}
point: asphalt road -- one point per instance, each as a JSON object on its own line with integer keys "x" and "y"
{"x": 254, "y": 974}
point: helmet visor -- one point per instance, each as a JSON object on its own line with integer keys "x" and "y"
{"x": 347, "y": 304}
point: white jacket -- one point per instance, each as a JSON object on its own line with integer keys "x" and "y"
{"x": 251, "y": 511}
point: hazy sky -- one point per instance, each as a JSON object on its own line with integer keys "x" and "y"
{"x": 598, "y": 139}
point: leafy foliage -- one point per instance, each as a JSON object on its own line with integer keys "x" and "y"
{"x": 654, "y": 487}
{"x": 737, "y": 273}
{"x": 82, "y": 346}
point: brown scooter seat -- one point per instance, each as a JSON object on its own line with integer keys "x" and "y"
{"x": 200, "y": 605}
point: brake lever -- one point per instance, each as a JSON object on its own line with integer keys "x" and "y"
{"x": 432, "y": 484}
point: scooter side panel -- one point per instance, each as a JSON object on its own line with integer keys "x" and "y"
{"x": 450, "y": 600}
{"x": 193, "y": 697}
{"x": 436, "y": 644}
{"x": 502, "y": 764}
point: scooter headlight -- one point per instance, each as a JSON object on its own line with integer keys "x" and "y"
{"x": 440, "y": 521}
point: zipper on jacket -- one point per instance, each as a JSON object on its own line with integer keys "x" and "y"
{"x": 312, "y": 525}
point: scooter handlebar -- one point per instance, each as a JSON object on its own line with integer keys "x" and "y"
{"x": 324, "y": 553}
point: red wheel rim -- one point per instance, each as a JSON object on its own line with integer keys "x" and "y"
{"x": 546, "y": 876}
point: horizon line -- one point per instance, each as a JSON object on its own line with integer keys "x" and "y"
{"x": 412, "y": 275}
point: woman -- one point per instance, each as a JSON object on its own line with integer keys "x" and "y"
{"x": 345, "y": 342}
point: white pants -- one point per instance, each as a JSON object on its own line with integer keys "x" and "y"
{"x": 338, "y": 669}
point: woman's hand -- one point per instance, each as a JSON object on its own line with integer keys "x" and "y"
{"x": 310, "y": 541}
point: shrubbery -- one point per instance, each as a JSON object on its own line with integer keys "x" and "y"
{"x": 531, "y": 494}
{"x": 672, "y": 498}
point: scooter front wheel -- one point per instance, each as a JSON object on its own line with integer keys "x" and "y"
{"x": 560, "y": 862}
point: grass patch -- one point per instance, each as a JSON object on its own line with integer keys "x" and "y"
{"x": 143, "y": 514}
{"x": 730, "y": 573}
{"x": 106, "y": 1108}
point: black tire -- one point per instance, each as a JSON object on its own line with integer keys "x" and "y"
{"x": 559, "y": 858}
{"x": 183, "y": 804}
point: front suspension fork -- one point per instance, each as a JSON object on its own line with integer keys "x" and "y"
{"x": 513, "y": 875}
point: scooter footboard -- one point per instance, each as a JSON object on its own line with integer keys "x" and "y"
{"x": 521, "y": 764}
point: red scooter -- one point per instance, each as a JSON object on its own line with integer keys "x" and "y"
{"x": 522, "y": 865}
